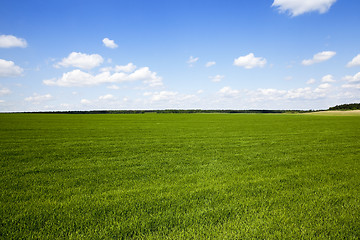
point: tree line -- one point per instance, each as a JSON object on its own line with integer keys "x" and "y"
{"x": 350, "y": 106}
{"x": 171, "y": 111}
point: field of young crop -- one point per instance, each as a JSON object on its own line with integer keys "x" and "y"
{"x": 179, "y": 176}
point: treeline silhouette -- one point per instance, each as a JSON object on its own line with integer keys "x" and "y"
{"x": 351, "y": 106}
{"x": 171, "y": 111}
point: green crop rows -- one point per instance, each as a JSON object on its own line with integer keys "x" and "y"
{"x": 179, "y": 176}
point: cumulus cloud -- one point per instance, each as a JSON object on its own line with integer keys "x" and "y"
{"x": 130, "y": 67}
{"x": 36, "y": 98}
{"x": 85, "y": 101}
{"x": 209, "y": 64}
{"x": 9, "y": 41}
{"x": 352, "y": 81}
{"x": 109, "y": 43}
{"x": 9, "y": 69}
{"x": 250, "y": 61}
{"x": 107, "y": 97}
{"x": 298, "y": 7}
{"x": 81, "y": 60}
{"x": 311, "y": 81}
{"x": 78, "y": 78}
{"x": 304, "y": 93}
{"x": 328, "y": 79}
{"x": 114, "y": 87}
{"x": 271, "y": 94}
{"x": 351, "y": 85}
{"x": 4, "y": 91}
{"x": 324, "y": 86}
{"x": 354, "y": 62}
{"x": 163, "y": 95}
{"x": 148, "y": 77}
{"x": 217, "y": 78}
{"x": 168, "y": 97}
{"x": 267, "y": 94}
{"x": 322, "y": 89}
{"x": 228, "y": 92}
{"x": 192, "y": 60}
{"x": 319, "y": 57}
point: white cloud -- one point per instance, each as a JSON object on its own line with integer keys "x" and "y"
{"x": 65, "y": 106}
{"x": 147, "y": 94}
{"x": 322, "y": 89}
{"x": 168, "y": 97}
{"x": 192, "y": 60}
{"x": 270, "y": 94}
{"x": 228, "y": 92}
{"x": 352, "y": 81}
{"x": 200, "y": 91}
{"x": 4, "y": 91}
{"x": 311, "y": 81}
{"x": 297, "y": 93}
{"x": 114, "y": 87}
{"x": 352, "y": 85}
{"x": 9, "y": 41}
{"x": 149, "y": 77}
{"x": 81, "y": 60}
{"x": 328, "y": 79}
{"x": 298, "y": 7}
{"x": 217, "y": 78}
{"x": 9, "y": 69}
{"x": 250, "y": 61}
{"x": 324, "y": 85}
{"x": 209, "y": 64}
{"x": 85, "y": 101}
{"x": 130, "y": 67}
{"x": 288, "y": 78}
{"x": 107, "y": 97}
{"x": 163, "y": 95}
{"x": 78, "y": 78}
{"x": 354, "y": 62}
{"x": 38, "y": 98}
{"x": 107, "y": 69}
{"x": 109, "y": 43}
{"x": 319, "y": 57}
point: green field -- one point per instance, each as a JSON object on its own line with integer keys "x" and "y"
{"x": 179, "y": 176}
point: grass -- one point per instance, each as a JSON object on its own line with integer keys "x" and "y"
{"x": 179, "y": 176}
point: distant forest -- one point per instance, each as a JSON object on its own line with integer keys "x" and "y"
{"x": 171, "y": 111}
{"x": 351, "y": 106}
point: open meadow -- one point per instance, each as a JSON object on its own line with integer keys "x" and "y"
{"x": 179, "y": 176}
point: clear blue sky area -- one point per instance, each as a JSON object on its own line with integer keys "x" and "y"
{"x": 83, "y": 55}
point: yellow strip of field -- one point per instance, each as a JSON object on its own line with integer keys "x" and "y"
{"x": 337, "y": 113}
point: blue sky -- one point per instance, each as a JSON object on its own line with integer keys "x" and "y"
{"x": 162, "y": 54}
